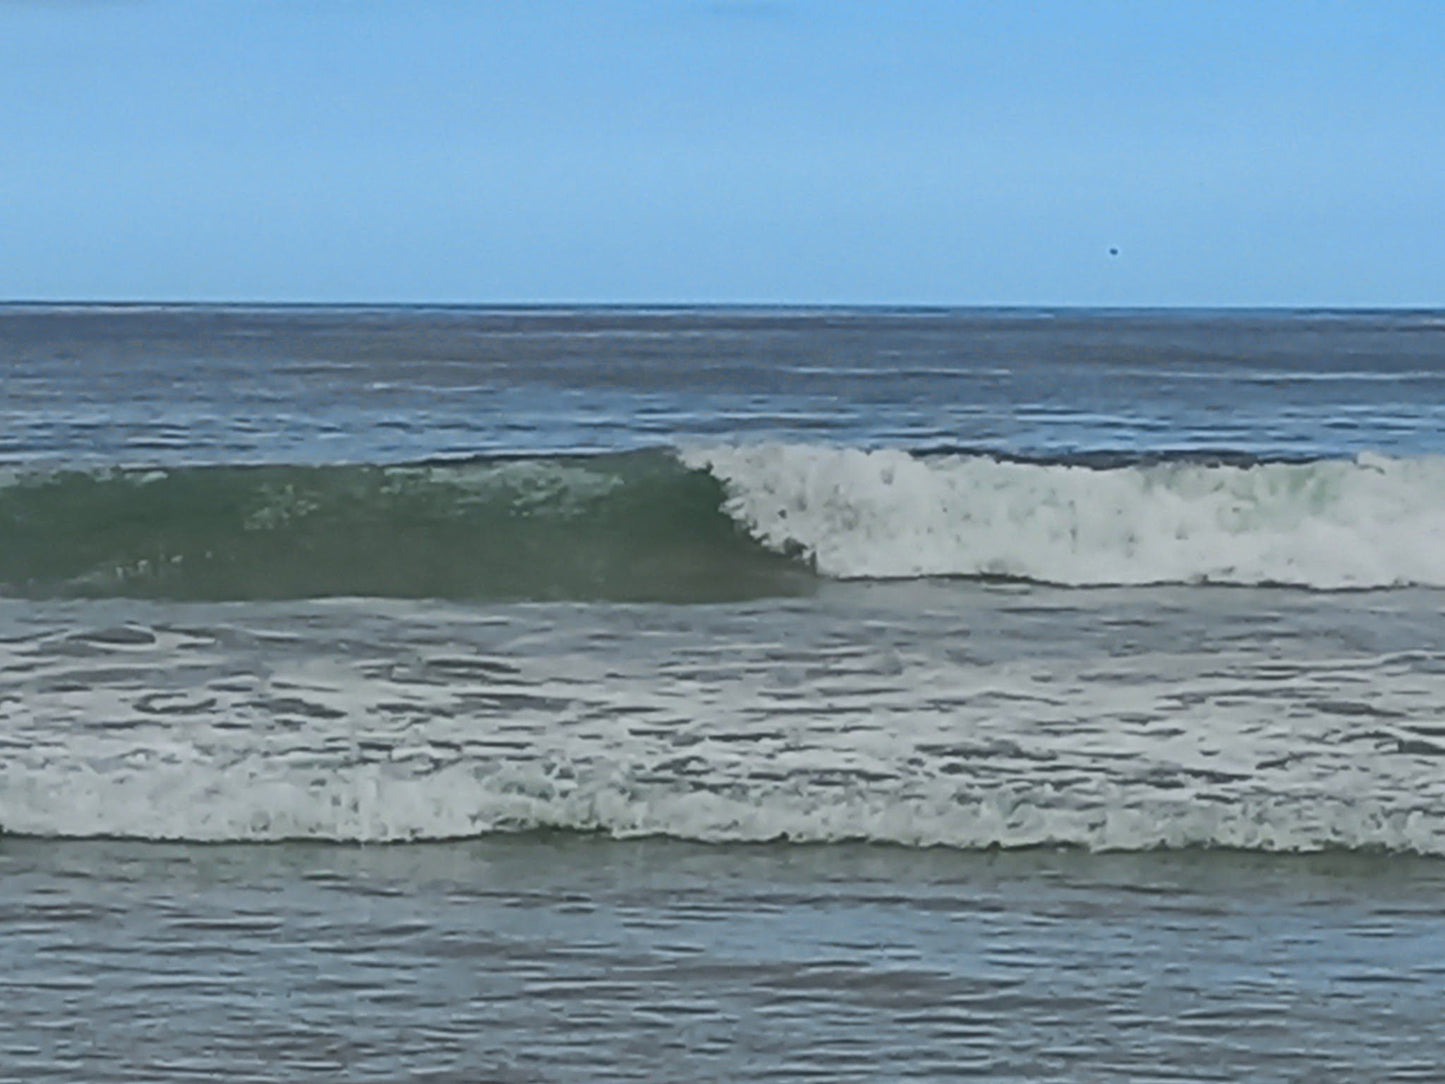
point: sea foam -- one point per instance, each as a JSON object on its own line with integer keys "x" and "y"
{"x": 374, "y": 804}
{"x": 1371, "y": 521}
{"x": 999, "y": 719}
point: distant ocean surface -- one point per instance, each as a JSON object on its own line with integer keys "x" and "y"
{"x": 740, "y": 694}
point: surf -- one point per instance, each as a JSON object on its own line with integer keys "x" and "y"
{"x": 1370, "y": 521}
{"x": 717, "y": 523}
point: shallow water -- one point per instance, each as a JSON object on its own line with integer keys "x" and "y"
{"x": 914, "y": 713}
{"x": 546, "y": 958}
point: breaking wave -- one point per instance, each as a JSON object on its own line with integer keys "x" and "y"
{"x": 719, "y": 523}
{"x": 377, "y": 803}
{"x": 1365, "y": 522}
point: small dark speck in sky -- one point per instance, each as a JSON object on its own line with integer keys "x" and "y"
{"x": 1113, "y": 252}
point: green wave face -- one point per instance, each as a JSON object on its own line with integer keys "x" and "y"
{"x": 636, "y": 527}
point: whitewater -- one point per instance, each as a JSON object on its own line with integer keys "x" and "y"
{"x": 674, "y": 525}
{"x": 978, "y": 717}
{"x": 1369, "y": 521}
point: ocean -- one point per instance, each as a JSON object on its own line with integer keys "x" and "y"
{"x": 584, "y": 694}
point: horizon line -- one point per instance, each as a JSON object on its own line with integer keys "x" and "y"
{"x": 682, "y": 306}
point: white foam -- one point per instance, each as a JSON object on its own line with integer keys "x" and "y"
{"x": 1368, "y": 522}
{"x": 369, "y": 803}
{"x": 958, "y": 725}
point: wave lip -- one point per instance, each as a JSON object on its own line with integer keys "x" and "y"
{"x": 1368, "y": 522}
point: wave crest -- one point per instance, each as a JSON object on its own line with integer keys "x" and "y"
{"x": 715, "y": 524}
{"x": 1330, "y": 524}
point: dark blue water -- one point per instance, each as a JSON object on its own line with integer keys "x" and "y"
{"x": 298, "y": 385}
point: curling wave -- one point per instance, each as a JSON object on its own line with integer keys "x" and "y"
{"x": 621, "y": 527}
{"x": 713, "y": 524}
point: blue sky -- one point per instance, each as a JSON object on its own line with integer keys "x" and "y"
{"x": 804, "y": 151}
